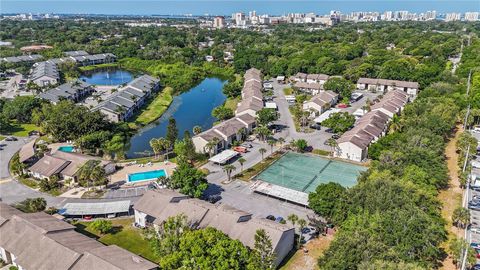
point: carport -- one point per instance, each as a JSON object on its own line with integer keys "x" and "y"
{"x": 101, "y": 209}
{"x": 223, "y": 157}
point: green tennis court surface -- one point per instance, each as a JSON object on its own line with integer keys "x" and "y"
{"x": 304, "y": 173}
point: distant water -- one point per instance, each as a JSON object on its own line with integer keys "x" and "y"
{"x": 227, "y": 7}
{"x": 189, "y": 109}
{"x": 107, "y": 77}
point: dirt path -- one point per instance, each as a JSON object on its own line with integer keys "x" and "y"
{"x": 451, "y": 198}
{"x": 309, "y": 261}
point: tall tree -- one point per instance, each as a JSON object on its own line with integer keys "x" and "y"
{"x": 172, "y": 131}
{"x": 262, "y": 151}
{"x": 189, "y": 180}
{"x": 263, "y": 255}
{"x": 228, "y": 169}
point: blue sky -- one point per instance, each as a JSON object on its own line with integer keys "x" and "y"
{"x": 226, "y": 7}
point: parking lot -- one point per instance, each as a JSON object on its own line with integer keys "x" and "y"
{"x": 9, "y": 148}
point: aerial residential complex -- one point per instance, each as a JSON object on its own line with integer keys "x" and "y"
{"x": 353, "y": 144}
{"x": 74, "y": 91}
{"x": 45, "y": 74}
{"x": 40, "y": 241}
{"x": 242, "y": 124}
{"x": 382, "y": 85}
{"x": 127, "y": 100}
{"x": 156, "y": 206}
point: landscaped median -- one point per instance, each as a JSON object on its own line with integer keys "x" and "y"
{"x": 249, "y": 173}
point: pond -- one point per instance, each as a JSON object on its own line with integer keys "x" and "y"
{"x": 110, "y": 76}
{"x": 189, "y": 109}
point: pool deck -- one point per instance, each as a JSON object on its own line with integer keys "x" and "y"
{"x": 54, "y": 146}
{"x": 121, "y": 175}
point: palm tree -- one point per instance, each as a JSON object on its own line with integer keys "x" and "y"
{"x": 197, "y": 130}
{"x": 302, "y": 223}
{"x": 271, "y": 143}
{"x": 156, "y": 147}
{"x": 241, "y": 161}
{"x": 263, "y": 132}
{"x": 163, "y": 146}
{"x": 292, "y": 218}
{"x": 333, "y": 145}
{"x": 396, "y": 124}
{"x": 229, "y": 169}
{"x": 262, "y": 151}
{"x": 281, "y": 140}
{"x": 211, "y": 146}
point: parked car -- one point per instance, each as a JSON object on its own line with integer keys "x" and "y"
{"x": 247, "y": 145}
{"x": 475, "y": 230}
{"x": 11, "y": 139}
{"x": 476, "y": 267}
{"x": 270, "y": 217}
{"x": 87, "y": 217}
{"x": 476, "y": 129}
{"x": 240, "y": 149}
{"x": 342, "y": 106}
{"x": 335, "y": 136}
{"x": 475, "y": 245}
{"x": 279, "y": 220}
{"x": 306, "y": 230}
{"x": 316, "y": 126}
{"x": 356, "y": 97}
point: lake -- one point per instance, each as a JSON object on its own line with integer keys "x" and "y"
{"x": 110, "y": 76}
{"x": 189, "y": 109}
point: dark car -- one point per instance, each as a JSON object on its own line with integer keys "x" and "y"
{"x": 316, "y": 126}
{"x": 476, "y": 267}
{"x": 306, "y": 230}
{"x": 335, "y": 136}
{"x": 270, "y": 217}
{"x": 279, "y": 220}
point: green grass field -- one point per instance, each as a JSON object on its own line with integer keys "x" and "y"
{"x": 123, "y": 235}
{"x": 21, "y": 130}
{"x": 232, "y": 103}
{"x": 93, "y": 67}
{"x": 156, "y": 108}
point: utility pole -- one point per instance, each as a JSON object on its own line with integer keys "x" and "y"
{"x": 468, "y": 108}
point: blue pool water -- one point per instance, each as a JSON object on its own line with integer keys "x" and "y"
{"x": 67, "y": 149}
{"x": 143, "y": 176}
{"x": 107, "y": 77}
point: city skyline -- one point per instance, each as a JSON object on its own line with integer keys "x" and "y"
{"x": 212, "y": 7}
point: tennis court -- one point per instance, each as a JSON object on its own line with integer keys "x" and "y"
{"x": 304, "y": 173}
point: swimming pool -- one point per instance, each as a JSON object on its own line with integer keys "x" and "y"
{"x": 146, "y": 176}
{"x": 66, "y": 148}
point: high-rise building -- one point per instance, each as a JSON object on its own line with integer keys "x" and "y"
{"x": 471, "y": 16}
{"x": 430, "y": 15}
{"x": 219, "y": 22}
{"x": 452, "y": 17}
{"x": 387, "y": 15}
{"x": 239, "y": 18}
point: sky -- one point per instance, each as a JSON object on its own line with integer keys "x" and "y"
{"x": 227, "y": 7}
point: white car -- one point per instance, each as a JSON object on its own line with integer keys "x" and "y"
{"x": 476, "y": 129}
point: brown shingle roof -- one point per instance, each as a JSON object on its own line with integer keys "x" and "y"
{"x": 235, "y": 223}
{"x": 27, "y": 151}
{"x": 49, "y": 165}
{"x": 112, "y": 258}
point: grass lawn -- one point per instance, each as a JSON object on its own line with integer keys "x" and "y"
{"x": 123, "y": 235}
{"x": 156, "y": 108}
{"x": 232, "y": 103}
{"x": 2, "y": 138}
{"x": 288, "y": 91}
{"x": 247, "y": 174}
{"x": 21, "y": 130}
{"x": 28, "y": 182}
{"x": 93, "y": 67}
{"x": 315, "y": 248}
